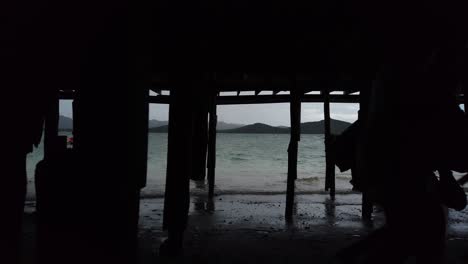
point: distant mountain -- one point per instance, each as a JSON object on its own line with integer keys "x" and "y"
{"x": 224, "y": 126}
{"x": 157, "y": 123}
{"x": 318, "y": 127}
{"x": 164, "y": 128}
{"x": 258, "y": 128}
{"x": 65, "y": 123}
{"x": 161, "y": 129}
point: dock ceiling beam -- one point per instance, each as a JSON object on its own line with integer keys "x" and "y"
{"x": 267, "y": 99}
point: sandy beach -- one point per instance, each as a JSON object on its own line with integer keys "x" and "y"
{"x": 252, "y": 229}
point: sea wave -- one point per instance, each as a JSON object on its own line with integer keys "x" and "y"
{"x": 309, "y": 179}
{"x": 251, "y": 192}
{"x": 238, "y": 159}
{"x": 160, "y": 195}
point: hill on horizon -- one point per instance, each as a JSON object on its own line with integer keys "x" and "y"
{"x": 66, "y": 124}
{"x": 317, "y": 127}
{"x": 157, "y": 123}
{"x": 258, "y": 128}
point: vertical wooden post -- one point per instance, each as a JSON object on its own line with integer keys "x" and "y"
{"x": 330, "y": 164}
{"x": 200, "y": 110}
{"x": 364, "y": 97}
{"x": 139, "y": 150}
{"x": 211, "y": 165}
{"x": 465, "y": 97}
{"x": 51, "y": 124}
{"x": 295, "y": 113}
{"x": 179, "y": 163}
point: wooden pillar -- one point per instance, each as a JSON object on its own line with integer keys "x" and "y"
{"x": 330, "y": 164}
{"x": 200, "y": 112}
{"x": 465, "y": 97}
{"x": 364, "y": 97}
{"x": 137, "y": 161}
{"x": 211, "y": 165}
{"x": 179, "y": 165}
{"x": 295, "y": 112}
{"x": 51, "y": 124}
{"x": 109, "y": 166}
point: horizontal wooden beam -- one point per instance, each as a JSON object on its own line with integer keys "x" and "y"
{"x": 267, "y": 99}
{"x": 255, "y": 99}
{"x": 66, "y": 95}
{"x": 158, "y": 91}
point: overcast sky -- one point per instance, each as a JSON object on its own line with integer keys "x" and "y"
{"x": 273, "y": 114}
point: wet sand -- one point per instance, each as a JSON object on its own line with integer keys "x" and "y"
{"x": 252, "y": 229}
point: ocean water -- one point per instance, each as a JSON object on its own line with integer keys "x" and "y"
{"x": 245, "y": 163}
{"x": 251, "y": 164}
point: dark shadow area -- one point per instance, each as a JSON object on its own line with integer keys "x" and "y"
{"x": 408, "y": 61}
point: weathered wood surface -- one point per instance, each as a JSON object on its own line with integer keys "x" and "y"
{"x": 295, "y": 113}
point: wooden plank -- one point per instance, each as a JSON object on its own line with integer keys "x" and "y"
{"x": 330, "y": 165}
{"x": 295, "y": 113}
{"x": 212, "y": 147}
{"x": 268, "y": 99}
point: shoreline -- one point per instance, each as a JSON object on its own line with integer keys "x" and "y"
{"x": 245, "y": 228}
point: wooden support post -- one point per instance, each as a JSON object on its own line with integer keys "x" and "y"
{"x": 200, "y": 109}
{"x": 211, "y": 165}
{"x": 115, "y": 167}
{"x": 51, "y": 124}
{"x": 179, "y": 167}
{"x": 465, "y": 97}
{"x": 295, "y": 112}
{"x": 139, "y": 150}
{"x": 367, "y": 205}
{"x": 330, "y": 164}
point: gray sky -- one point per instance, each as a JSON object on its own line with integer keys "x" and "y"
{"x": 273, "y": 114}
